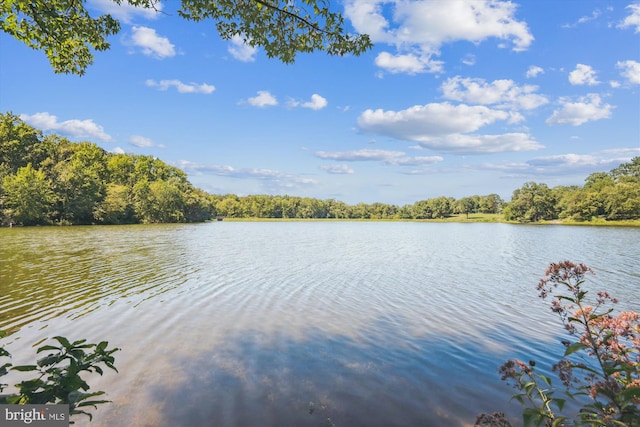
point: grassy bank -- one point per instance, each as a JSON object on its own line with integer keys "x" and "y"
{"x": 472, "y": 218}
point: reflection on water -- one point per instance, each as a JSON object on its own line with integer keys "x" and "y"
{"x": 305, "y": 324}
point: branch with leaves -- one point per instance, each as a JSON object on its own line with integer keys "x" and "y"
{"x": 59, "y": 378}
{"x": 67, "y": 33}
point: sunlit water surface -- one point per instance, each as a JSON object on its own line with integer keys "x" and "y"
{"x": 301, "y": 323}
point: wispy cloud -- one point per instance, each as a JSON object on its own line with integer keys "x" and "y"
{"x": 583, "y": 75}
{"x": 389, "y": 157}
{"x": 584, "y": 109}
{"x": 273, "y": 179}
{"x": 75, "y": 128}
{"x": 565, "y": 164}
{"x": 151, "y": 43}
{"x": 241, "y": 50}
{"x": 181, "y": 87}
{"x": 337, "y": 169}
{"x": 584, "y": 19}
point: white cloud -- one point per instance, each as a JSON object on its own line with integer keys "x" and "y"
{"x": 317, "y": 102}
{"x": 151, "y": 43}
{"x": 585, "y": 109}
{"x": 74, "y": 128}
{"x": 241, "y": 50}
{"x": 125, "y": 12}
{"x": 181, "y": 87}
{"x": 445, "y": 127}
{"x": 534, "y": 71}
{"x": 117, "y": 150}
{"x": 434, "y": 119}
{"x": 502, "y": 93}
{"x": 263, "y": 99}
{"x": 386, "y": 156}
{"x": 340, "y": 169}
{"x": 583, "y": 75}
{"x": 409, "y": 63}
{"x": 630, "y": 70}
{"x": 632, "y": 20}
{"x": 418, "y": 29}
{"x": 143, "y": 142}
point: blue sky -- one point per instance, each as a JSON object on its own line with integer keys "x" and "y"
{"x": 456, "y": 98}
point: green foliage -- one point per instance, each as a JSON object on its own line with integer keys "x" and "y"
{"x": 530, "y": 203}
{"x": 27, "y": 196}
{"x": 66, "y": 32}
{"x": 600, "y": 368}
{"x": 49, "y": 179}
{"x": 62, "y": 29}
{"x": 58, "y": 375}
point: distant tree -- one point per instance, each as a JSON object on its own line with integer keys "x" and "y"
{"x": 421, "y": 210}
{"x": 337, "y": 209}
{"x": 229, "y": 207}
{"x": 67, "y": 33}
{"x": 80, "y": 183}
{"x": 622, "y": 201}
{"x": 597, "y": 181}
{"x": 441, "y": 207}
{"x": 629, "y": 170}
{"x": 491, "y": 204}
{"x": 19, "y": 144}
{"x": 466, "y": 205}
{"x": 117, "y": 206}
{"x": 530, "y": 203}
{"x": 27, "y": 196}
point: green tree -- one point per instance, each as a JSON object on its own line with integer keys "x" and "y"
{"x": 530, "y": 203}
{"x": 467, "y": 205}
{"x": 117, "y": 206}
{"x": 19, "y": 145}
{"x": 622, "y": 201}
{"x": 80, "y": 183}
{"x": 229, "y": 207}
{"x": 441, "y": 207}
{"x": 27, "y": 196}
{"x": 630, "y": 169}
{"x": 491, "y": 203}
{"x": 421, "y": 210}
{"x": 67, "y": 33}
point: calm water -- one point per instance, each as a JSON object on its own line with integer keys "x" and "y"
{"x": 301, "y": 324}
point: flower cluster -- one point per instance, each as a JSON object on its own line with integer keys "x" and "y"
{"x": 602, "y": 363}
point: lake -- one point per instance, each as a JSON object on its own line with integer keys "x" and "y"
{"x": 302, "y": 323}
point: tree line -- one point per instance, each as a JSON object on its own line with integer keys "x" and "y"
{"x": 47, "y": 179}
